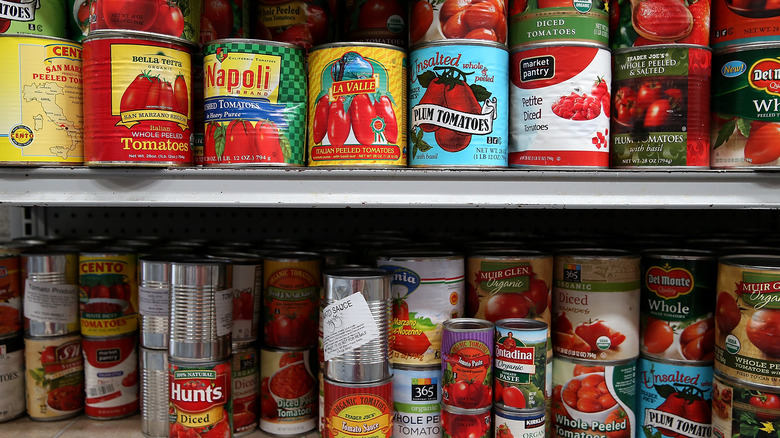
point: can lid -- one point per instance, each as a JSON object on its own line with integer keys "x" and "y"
{"x": 467, "y": 325}
{"x": 752, "y": 261}
{"x": 521, "y": 324}
{"x": 359, "y": 273}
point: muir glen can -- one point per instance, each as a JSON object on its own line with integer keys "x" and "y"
{"x": 200, "y": 398}
{"x": 359, "y": 409}
{"x": 428, "y": 23}
{"x": 54, "y": 377}
{"x": 10, "y": 294}
{"x": 738, "y": 406}
{"x": 178, "y": 18}
{"x": 111, "y": 377}
{"x": 520, "y": 364}
{"x": 108, "y": 292}
{"x": 458, "y": 422}
{"x": 416, "y": 401}
{"x": 467, "y": 363}
{"x": 556, "y": 21}
{"x": 12, "y": 377}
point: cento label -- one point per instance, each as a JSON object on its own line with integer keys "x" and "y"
{"x": 108, "y": 294}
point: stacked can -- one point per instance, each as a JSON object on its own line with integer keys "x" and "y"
{"x": 12, "y": 403}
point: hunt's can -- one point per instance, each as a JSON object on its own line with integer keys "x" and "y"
{"x": 459, "y": 104}
{"x": 372, "y": 403}
{"x": 416, "y": 401}
{"x": 200, "y": 398}
{"x": 304, "y": 23}
{"x": 385, "y": 23}
{"x": 467, "y": 363}
{"x": 595, "y": 300}
{"x": 255, "y": 103}
{"x": 247, "y": 293}
{"x": 427, "y": 289}
{"x": 55, "y": 377}
{"x": 108, "y": 295}
{"x": 12, "y": 376}
{"x": 558, "y": 21}
{"x": 520, "y": 366}
{"x": 178, "y": 18}
{"x": 737, "y": 23}
{"x": 458, "y": 20}
{"x": 655, "y": 22}
{"x": 362, "y": 86}
{"x": 509, "y": 423}
{"x": 738, "y": 406}
{"x": 246, "y": 388}
{"x": 154, "y": 297}
{"x": 560, "y": 101}
{"x": 458, "y": 422}
{"x": 34, "y": 17}
{"x": 10, "y": 294}
{"x": 661, "y": 107}
{"x": 138, "y": 110}
{"x": 42, "y": 122}
{"x": 111, "y": 376}
{"x": 223, "y": 19}
{"x": 51, "y": 297}
{"x": 153, "y": 366}
{"x": 288, "y": 391}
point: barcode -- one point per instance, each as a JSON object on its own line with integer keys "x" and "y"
{"x": 100, "y": 390}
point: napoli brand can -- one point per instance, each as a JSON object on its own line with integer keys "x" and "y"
{"x": 247, "y": 294}
{"x": 154, "y": 291}
{"x": 556, "y": 21}
{"x": 34, "y": 18}
{"x": 178, "y": 18}
{"x": 560, "y": 102}
{"x": 12, "y": 403}
{"x": 154, "y": 392}
{"x": 10, "y": 294}
{"x": 138, "y": 109}
{"x": 416, "y": 401}
{"x": 661, "y": 107}
{"x": 372, "y": 403}
{"x": 655, "y": 22}
{"x": 51, "y": 297}
{"x": 255, "y": 102}
{"x": 54, "y": 378}
{"x": 738, "y": 406}
{"x": 246, "y": 388}
{"x": 111, "y": 376}
{"x": 513, "y": 424}
{"x": 362, "y": 86}
{"x": 288, "y": 391}
{"x": 427, "y": 23}
{"x": 108, "y": 295}
{"x": 520, "y": 364}
{"x": 736, "y": 23}
{"x": 458, "y": 422}
{"x": 200, "y": 398}
{"x": 467, "y": 363}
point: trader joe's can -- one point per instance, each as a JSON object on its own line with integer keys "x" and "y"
{"x": 51, "y": 293}
{"x": 520, "y": 364}
{"x": 560, "y": 102}
{"x": 656, "y": 22}
{"x": 363, "y": 87}
{"x": 34, "y": 17}
{"x": 288, "y": 391}
{"x": 54, "y": 377}
{"x": 458, "y": 104}
{"x": 10, "y": 294}
{"x": 200, "y": 398}
{"x": 416, "y": 401}
{"x": 42, "y": 121}
{"x": 176, "y": 18}
{"x": 556, "y": 21}
{"x": 467, "y": 363}
{"x": 738, "y": 406}
{"x": 740, "y": 22}
{"x": 12, "y": 402}
{"x": 111, "y": 376}
{"x": 246, "y": 388}
{"x": 255, "y": 102}
{"x": 371, "y": 402}
{"x": 108, "y": 295}
{"x": 427, "y": 23}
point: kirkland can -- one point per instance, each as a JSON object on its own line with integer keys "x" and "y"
{"x": 246, "y": 388}
{"x": 10, "y": 294}
{"x": 467, "y": 363}
{"x": 359, "y": 409}
{"x": 656, "y": 22}
{"x": 459, "y": 104}
{"x": 12, "y": 402}
{"x": 177, "y": 18}
{"x": 54, "y": 378}
{"x": 739, "y": 407}
{"x": 458, "y": 20}
{"x": 288, "y": 391}
{"x": 51, "y": 292}
{"x": 247, "y": 293}
{"x": 560, "y": 101}
{"x": 111, "y": 376}
{"x": 108, "y": 295}
{"x": 138, "y": 109}
{"x": 427, "y": 289}
{"x": 154, "y": 392}
{"x": 661, "y": 107}
{"x": 255, "y": 103}
{"x": 513, "y": 424}
{"x": 304, "y": 23}
{"x": 458, "y": 422}
{"x": 154, "y": 296}
{"x": 34, "y": 17}
{"x": 676, "y": 304}
{"x": 558, "y": 21}
{"x": 736, "y": 23}
{"x": 416, "y": 401}
{"x": 42, "y": 120}
{"x": 200, "y": 398}
{"x": 385, "y": 23}
{"x": 362, "y": 86}
{"x": 223, "y": 19}
{"x": 520, "y": 367}
{"x": 596, "y": 304}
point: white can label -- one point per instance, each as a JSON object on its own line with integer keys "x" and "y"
{"x": 223, "y": 305}
{"x": 153, "y": 301}
{"x": 51, "y": 303}
{"x": 347, "y": 324}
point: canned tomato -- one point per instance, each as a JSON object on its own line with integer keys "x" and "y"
{"x": 674, "y": 399}
{"x": 47, "y": 18}
{"x": 50, "y": 295}
{"x": 377, "y": 22}
{"x": 359, "y": 409}
{"x": 416, "y": 401}
{"x": 558, "y": 21}
{"x": 594, "y": 399}
{"x": 78, "y": 16}
{"x": 458, "y": 102}
{"x": 255, "y": 103}
{"x": 458, "y": 20}
{"x": 738, "y": 407}
{"x": 458, "y": 422}
{"x": 111, "y": 376}
{"x": 747, "y": 318}
{"x": 741, "y": 22}
{"x": 10, "y": 294}
{"x": 246, "y": 387}
{"x": 42, "y": 122}
{"x": 520, "y": 367}
{"x": 138, "y": 109}
{"x": 177, "y": 18}
{"x": 154, "y": 291}
{"x": 153, "y": 366}
{"x": 427, "y": 289}
{"x": 55, "y": 377}
{"x": 108, "y": 295}
{"x": 661, "y": 107}
{"x": 676, "y": 305}
{"x": 200, "y": 398}
{"x": 362, "y": 86}
{"x": 12, "y": 402}
{"x": 304, "y": 23}
{"x": 288, "y": 391}
{"x": 656, "y": 22}
{"x": 560, "y": 101}
{"x": 512, "y": 424}
{"x": 223, "y": 19}
{"x": 247, "y": 293}
{"x": 596, "y": 304}
{"x": 467, "y": 363}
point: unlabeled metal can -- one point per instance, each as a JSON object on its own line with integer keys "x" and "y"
{"x": 51, "y": 297}
{"x": 458, "y": 422}
{"x": 177, "y": 18}
{"x": 653, "y": 22}
{"x": 467, "y": 363}
{"x": 45, "y": 18}
{"x": 555, "y": 21}
{"x": 154, "y": 296}
{"x": 416, "y": 401}
{"x": 55, "y": 377}
{"x": 10, "y": 293}
{"x": 12, "y": 376}
{"x": 509, "y": 423}
{"x": 288, "y": 391}
{"x": 427, "y": 23}
{"x": 246, "y": 388}
{"x": 111, "y": 376}
{"x": 372, "y": 403}
{"x": 738, "y": 406}
{"x": 247, "y": 293}
{"x": 108, "y": 295}
{"x": 520, "y": 366}
{"x": 200, "y": 398}
{"x": 154, "y": 392}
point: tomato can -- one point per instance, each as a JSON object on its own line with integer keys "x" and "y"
{"x": 467, "y": 363}
{"x": 416, "y": 401}
{"x": 459, "y": 104}
{"x": 153, "y": 365}
{"x": 513, "y": 424}
{"x": 359, "y": 409}
{"x": 427, "y": 289}
{"x": 255, "y": 103}
{"x": 520, "y": 366}
{"x": 558, "y": 21}
{"x": 383, "y": 21}
{"x": 661, "y": 107}
{"x": 125, "y": 125}
{"x": 50, "y": 295}
{"x": 547, "y": 83}
{"x": 54, "y": 378}
{"x": 459, "y": 422}
{"x": 747, "y": 319}
{"x": 200, "y": 398}
{"x": 247, "y": 293}
{"x": 605, "y": 408}
{"x": 674, "y": 398}
{"x": 246, "y": 388}
{"x": 111, "y": 376}
{"x": 458, "y": 20}
{"x": 12, "y": 375}
{"x": 595, "y": 300}
{"x": 28, "y": 17}
{"x": 108, "y": 292}
{"x": 738, "y": 406}
{"x": 10, "y": 294}
{"x": 177, "y": 18}
{"x": 154, "y": 300}
{"x": 223, "y": 19}
{"x": 363, "y": 86}
{"x": 78, "y": 16}
{"x": 42, "y": 122}
{"x": 676, "y": 308}
{"x": 741, "y": 22}
{"x": 304, "y": 23}
{"x": 653, "y": 22}
{"x": 288, "y": 391}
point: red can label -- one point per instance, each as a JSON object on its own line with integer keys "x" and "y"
{"x": 467, "y": 364}
{"x": 364, "y": 411}
{"x": 200, "y": 400}
{"x": 291, "y": 303}
{"x": 304, "y": 23}
{"x": 10, "y": 295}
{"x": 458, "y": 19}
{"x": 466, "y": 424}
{"x": 653, "y": 22}
{"x": 177, "y": 18}
{"x": 111, "y": 375}
{"x": 108, "y": 295}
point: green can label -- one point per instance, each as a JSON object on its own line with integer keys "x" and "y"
{"x": 558, "y": 20}
{"x": 33, "y": 17}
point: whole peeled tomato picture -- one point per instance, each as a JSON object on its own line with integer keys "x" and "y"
{"x": 474, "y": 19}
{"x": 130, "y": 15}
{"x": 727, "y": 313}
{"x": 763, "y": 330}
{"x": 170, "y": 20}
{"x": 662, "y": 20}
{"x": 591, "y": 332}
{"x": 763, "y": 143}
{"x": 420, "y": 20}
{"x": 216, "y": 20}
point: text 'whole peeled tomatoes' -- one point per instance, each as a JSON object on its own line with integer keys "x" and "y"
{"x": 175, "y": 18}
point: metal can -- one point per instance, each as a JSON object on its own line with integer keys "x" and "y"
{"x": 654, "y": 22}
{"x": 467, "y": 363}
{"x": 288, "y": 391}
{"x": 427, "y": 23}
{"x": 12, "y": 376}
{"x": 416, "y": 401}
{"x": 200, "y": 398}
{"x": 108, "y": 295}
{"x": 430, "y": 286}
{"x": 255, "y": 103}
{"x": 180, "y": 19}
{"x": 304, "y": 23}
{"x": 342, "y": 76}
{"x": 50, "y": 296}
{"x": 737, "y": 23}
{"x": 458, "y": 422}
{"x": 387, "y": 24}
{"x": 43, "y": 77}
{"x": 219, "y": 20}
{"x": 509, "y": 423}
{"x": 557, "y": 21}
{"x": 520, "y": 366}
{"x": 154, "y": 300}
{"x": 111, "y": 376}
{"x": 247, "y": 293}
{"x": 738, "y": 406}
{"x": 55, "y": 377}
{"x": 123, "y": 124}
{"x": 596, "y": 304}
{"x": 546, "y": 81}
{"x": 153, "y": 366}
{"x": 10, "y": 294}
{"x": 46, "y": 18}
{"x": 246, "y": 388}
{"x": 358, "y": 409}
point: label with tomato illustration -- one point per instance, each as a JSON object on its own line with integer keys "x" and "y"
{"x": 661, "y": 107}
{"x": 458, "y": 102}
{"x": 201, "y": 401}
{"x": 743, "y": 410}
{"x": 34, "y": 17}
{"x": 357, "y": 105}
{"x": 42, "y": 122}
{"x": 255, "y": 103}
{"x": 303, "y": 23}
{"x": 636, "y": 23}
{"x": 595, "y": 305}
{"x": 745, "y": 122}
{"x": 676, "y": 308}
{"x": 108, "y": 294}
{"x": 512, "y": 424}
{"x": 376, "y": 21}
{"x": 436, "y": 20}
{"x": 12, "y": 379}
{"x": 457, "y": 423}
{"x": 55, "y": 377}
{"x": 520, "y": 366}
{"x": 246, "y": 388}
{"x": 111, "y": 376}
{"x": 175, "y": 18}
{"x": 222, "y": 19}
{"x": 593, "y": 399}
{"x": 359, "y": 410}
{"x": 288, "y": 391}
{"x": 467, "y": 363}
{"x": 291, "y": 299}
{"x": 747, "y": 318}
{"x": 138, "y": 108}
{"x": 10, "y": 295}
{"x": 247, "y": 298}
{"x": 560, "y": 98}
{"x": 559, "y": 21}
{"x": 416, "y": 401}
{"x": 741, "y": 22}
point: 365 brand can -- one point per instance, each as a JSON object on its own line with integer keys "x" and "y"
{"x": 467, "y": 363}
{"x": 153, "y": 391}
{"x": 54, "y": 377}
{"x": 108, "y": 295}
{"x": 31, "y": 17}
{"x": 111, "y": 376}
{"x": 200, "y": 398}
{"x": 520, "y": 365}
{"x": 655, "y": 22}
{"x": 416, "y": 401}
{"x": 10, "y": 294}
{"x": 513, "y": 424}
{"x": 288, "y": 391}
{"x": 371, "y": 402}
{"x": 178, "y": 18}
{"x": 739, "y": 406}
{"x": 246, "y": 388}
{"x": 427, "y": 23}
{"x": 555, "y": 21}
{"x": 51, "y": 297}
{"x": 12, "y": 377}
{"x": 458, "y": 422}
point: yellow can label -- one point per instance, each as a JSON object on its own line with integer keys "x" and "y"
{"x": 108, "y": 294}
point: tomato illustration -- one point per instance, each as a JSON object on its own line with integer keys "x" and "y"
{"x": 618, "y": 419}
{"x": 482, "y": 34}
{"x": 538, "y": 294}
{"x": 217, "y": 17}
{"x": 592, "y": 331}
{"x": 135, "y": 95}
{"x": 400, "y": 310}
{"x": 695, "y": 330}
{"x": 577, "y": 107}
{"x": 5, "y": 23}
{"x": 298, "y": 34}
{"x": 626, "y": 106}
{"x": 375, "y": 14}
{"x": 361, "y": 115}
{"x": 421, "y": 20}
{"x": 455, "y": 27}
{"x": 649, "y": 92}
{"x": 700, "y": 34}
{"x": 411, "y": 344}
{"x": 181, "y": 95}
{"x": 267, "y": 142}
{"x": 153, "y": 93}
{"x": 457, "y": 96}
{"x": 658, "y": 336}
{"x": 384, "y": 109}
{"x": 481, "y": 15}
{"x": 239, "y": 140}
{"x": 319, "y": 125}
{"x": 701, "y": 348}
{"x": 338, "y": 123}
{"x": 293, "y": 331}
{"x": 765, "y": 401}
{"x": 452, "y": 7}
{"x": 317, "y": 21}
{"x": 467, "y": 395}
{"x": 600, "y": 88}
{"x": 82, "y": 15}
{"x": 434, "y": 95}
{"x": 762, "y": 145}
{"x": 662, "y": 20}
{"x": 209, "y": 140}
{"x": 220, "y": 430}
{"x": 727, "y": 313}
{"x": 170, "y": 20}
{"x": 658, "y": 113}
{"x": 514, "y": 397}
{"x": 166, "y": 100}
{"x": 101, "y": 291}
{"x": 674, "y": 404}
{"x": 763, "y": 330}
{"x": 48, "y": 355}
{"x": 507, "y": 305}
{"x": 143, "y": 13}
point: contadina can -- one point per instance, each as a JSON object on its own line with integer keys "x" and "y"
{"x": 656, "y": 22}
{"x": 427, "y": 288}
{"x": 51, "y": 297}
{"x": 372, "y": 403}
{"x": 42, "y": 121}
{"x": 200, "y": 398}
{"x": 111, "y": 376}
{"x": 560, "y": 106}
{"x": 54, "y": 377}
{"x": 246, "y": 387}
{"x": 558, "y": 21}
{"x": 255, "y": 102}
{"x": 467, "y": 363}
{"x": 520, "y": 364}
{"x": 362, "y": 87}
{"x": 153, "y": 366}
{"x": 661, "y": 107}
{"x": 458, "y": 104}
{"x": 459, "y": 422}
{"x": 10, "y": 294}
{"x": 416, "y": 401}
{"x": 512, "y": 424}
{"x": 34, "y": 17}
{"x": 178, "y": 18}
{"x": 138, "y": 109}
{"x": 427, "y": 23}
{"x": 12, "y": 402}
{"x": 108, "y": 292}
{"x": 288, "y": 391}
{"x": 738, "y": 407}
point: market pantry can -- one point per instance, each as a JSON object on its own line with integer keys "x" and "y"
{"x": 111, "y": 376}
{"x": 50, "y": 295}
{"x": 520, "y": 364}
{"x": 55, "y": 377}
{"x": 416, "y": 401}
{"x": 10, "y": 294}
{"x": 200, "y": 398}
{"x": 467, "y": 363}
{"x": 288, "y": 391}
{"x": 556, "y": 21}
{"x": 739, "y": 407}
{"x": 12, "y": 378}
{"x": 108, "y": 292}
{"x": 138, "y": 109}
{"x": 255, "y": 103}
{"x": 359, "y": 409}
{"x": 362, "y": 86}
